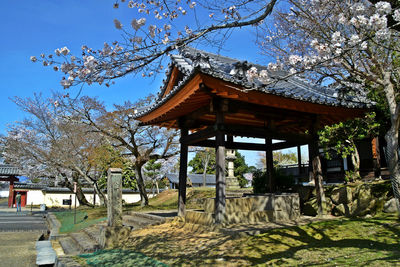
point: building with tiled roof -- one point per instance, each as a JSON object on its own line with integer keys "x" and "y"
{"x": 212, "y": 99}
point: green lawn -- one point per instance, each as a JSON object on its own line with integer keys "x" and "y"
{"x": 342, "y": 242}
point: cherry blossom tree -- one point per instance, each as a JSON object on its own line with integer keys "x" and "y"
{"x": 46, "y": 145}
{"x": 157, "y": 28}
{"x": 353, "y": 45}
{"x": 140, "y": 144}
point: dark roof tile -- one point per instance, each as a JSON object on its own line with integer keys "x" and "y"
{"x": 190, "y": 61}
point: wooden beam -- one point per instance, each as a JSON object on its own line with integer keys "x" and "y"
{"x": 284, "y": 145}
{"x": 247, "y": 146}
{"x": 198, "y": 136}
{"x": 265, "y": 133}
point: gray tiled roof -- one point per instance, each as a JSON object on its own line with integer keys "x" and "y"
{"x": 191, "y": 61}
{"x": 18, "y": 185}
{"x": 48, "y": 189}
{"x": 8, "y": 170}
{"x": 194, "y": 178}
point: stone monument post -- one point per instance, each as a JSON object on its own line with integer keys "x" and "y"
{"x": 114, "y": 196}
{"x": 231, "y": 181}
{"x": 114, "y": 233}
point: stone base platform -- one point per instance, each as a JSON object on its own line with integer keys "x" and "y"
{"x": 250, "y": 209}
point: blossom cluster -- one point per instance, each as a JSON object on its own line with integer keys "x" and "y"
{"x": 346, "y": 31}
{"x": 158, "y": 28}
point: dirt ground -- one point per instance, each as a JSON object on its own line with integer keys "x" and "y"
{"x": 184, "y": 246}
{"x": 18, "y": 248}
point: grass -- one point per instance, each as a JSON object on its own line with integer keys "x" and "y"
{"x": 342, "y": 242}
{"x": 118, "y": 257}
{"x": 168, "y": 199}
{"x": 84, "y": 218}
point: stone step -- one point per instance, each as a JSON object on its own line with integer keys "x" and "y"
{"x": 148, "y": 216}
{"x": 85, "y": 243}
{"x": 69, "y": 245}
{"x": 140, "y": 220}
{"x": 234, "y": 194}
{"x": 94, "y": 232}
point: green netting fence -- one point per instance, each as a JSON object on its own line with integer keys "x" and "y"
{"x": 120, "y": 257}
{"x": 66, "y": 219}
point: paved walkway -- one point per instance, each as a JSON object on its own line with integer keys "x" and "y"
{"x": 18, "y": 235}
{"x": 10, "y": 220}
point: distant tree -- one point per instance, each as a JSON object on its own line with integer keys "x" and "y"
{"x": 140, "y": 144}
{"x": 279, "y": 158}
{"x": 46, "y": 145}
{"x": 152, "y": 171}
{"x": 240, "y": 168}
{"x": 203, "y": 162}
{"x": 342, "y": 138}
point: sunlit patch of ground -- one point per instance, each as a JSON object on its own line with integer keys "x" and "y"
{"x": 350, "y": 242}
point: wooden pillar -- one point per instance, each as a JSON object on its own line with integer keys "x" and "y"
{"x": 11, "y": 194}
{"x": 220, "y": 169}
{"x": 376, "y": 157}
{"x": 182, "y": 175}
{"x": 269, "y": 161}
{"x": 299, "y": 159}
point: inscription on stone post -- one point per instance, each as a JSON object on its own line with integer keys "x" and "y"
{"x": 114, "y": 196}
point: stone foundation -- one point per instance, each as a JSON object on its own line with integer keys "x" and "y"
{"x": 251, "y": 209}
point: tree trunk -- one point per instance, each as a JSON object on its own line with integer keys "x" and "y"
{"x": 317, "y": 173}
{"x": 79, "y": 194}
{"x": 392, "y": 137}
{"x": 158, "y": 189}
{"x": 103, "y": 200}
{"x": 142, "y": 189}
{"x": 355, "y": 160}
{"x": 205, "y": 170}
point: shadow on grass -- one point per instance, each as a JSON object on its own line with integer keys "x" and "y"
{"x": 119, "y": 257}
{"x": 341, "y": 242}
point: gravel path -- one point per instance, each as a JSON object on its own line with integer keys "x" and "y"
{"x": 18, "y": 248}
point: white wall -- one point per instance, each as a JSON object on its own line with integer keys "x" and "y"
{"x": 4, "y": 193}
{"x": 55, "y": 199}
{"x": 34, "y": 197}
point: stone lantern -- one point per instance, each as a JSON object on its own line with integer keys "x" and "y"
{"x": 231, "y": 181}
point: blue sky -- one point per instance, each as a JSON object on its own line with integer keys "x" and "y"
{"x": 33, "y": 27}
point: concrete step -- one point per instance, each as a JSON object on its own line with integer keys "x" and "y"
{"x": 85, "y": 243}
{"x": 45, "y": 254}
{"x": 69, "y": 245}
